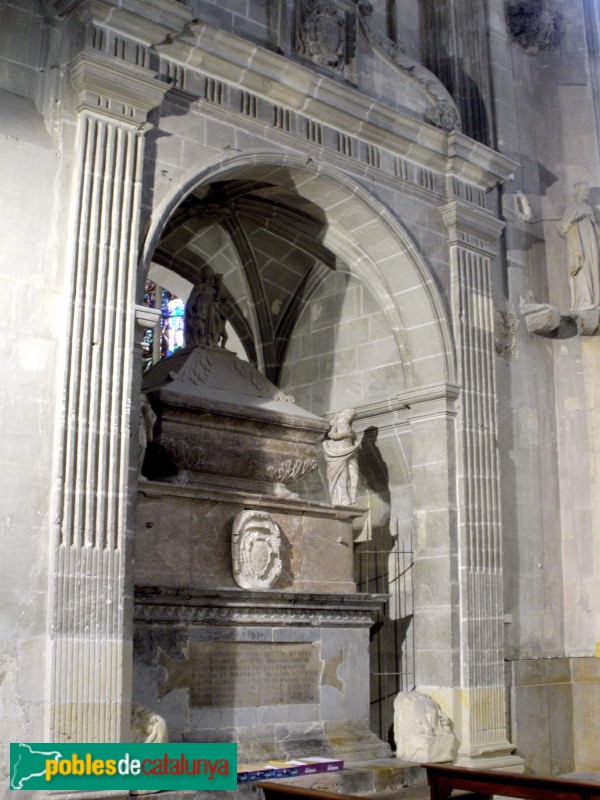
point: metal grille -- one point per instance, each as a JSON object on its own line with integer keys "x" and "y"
{"x": 392, "y": 649}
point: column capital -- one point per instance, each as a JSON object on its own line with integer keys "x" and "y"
{"x": 470, "y": 226}
{"x": 113, "y": 88}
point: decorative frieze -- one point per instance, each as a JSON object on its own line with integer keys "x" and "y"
{"x": 214, "y": 91}
{"x": 243, "y": 607}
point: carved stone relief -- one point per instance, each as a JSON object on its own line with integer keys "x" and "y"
{"x": 534, "y": 25}
{"x": 505, "y": 340}
{"x": 147, "y": 727}
{"x": 423, "y": 733}
{"x": 325, "y": 34}
{"x": 255, "y": 546}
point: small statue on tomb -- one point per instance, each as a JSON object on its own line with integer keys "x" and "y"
{"x": 220, "y": 311}
{"x": 145, "y": 431}
{"x": 423, "y": 733}
{"x": 147, "y": 727}
{"x": 583, "y": 249}
{"x": 340, "y": 448}
{"x": 207, "y": 311}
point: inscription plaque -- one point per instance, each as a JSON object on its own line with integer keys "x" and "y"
{"x": 240, "y": 674}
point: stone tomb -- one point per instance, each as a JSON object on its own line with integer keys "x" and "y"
{"x": 248, "y": 627}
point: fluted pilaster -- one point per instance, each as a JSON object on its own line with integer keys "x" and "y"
{"x": 482, "y": 702}
{"x": 90, "y": 638}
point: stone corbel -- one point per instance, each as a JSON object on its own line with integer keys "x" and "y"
{"x": 587, "y": 321}
{"x": 541, "y": 318}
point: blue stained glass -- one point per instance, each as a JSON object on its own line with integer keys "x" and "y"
{"x": 173, "y": 323}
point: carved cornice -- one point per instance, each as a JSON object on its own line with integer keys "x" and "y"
{"x": 113, "y": 88}
{"x": 247, "y": 607}
{"x": 471, "y": 227}
{"x": 432, "y": 400}
{"x": 136, "y": 18}
{"x": 272, "y": 77}
{"x": 476, "y": 163}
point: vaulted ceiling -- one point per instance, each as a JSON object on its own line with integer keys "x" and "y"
{"x": 267, "y": 242}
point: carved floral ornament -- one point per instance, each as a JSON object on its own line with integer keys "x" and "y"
{"x": 255, "y": 546}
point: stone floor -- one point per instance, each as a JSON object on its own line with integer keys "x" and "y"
{"x": 383, "y": 779}
{"x": 379, "y": 778}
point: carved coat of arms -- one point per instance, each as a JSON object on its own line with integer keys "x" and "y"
{"x": 321, "y": 33}
{"x": 255, "y": 546}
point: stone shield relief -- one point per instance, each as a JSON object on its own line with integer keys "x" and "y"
{"x": 255, "y": 547}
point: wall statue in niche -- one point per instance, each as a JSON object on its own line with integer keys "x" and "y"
{"x": 583, "y": 249}
{"x": 421, "y": 730}
{"x": 340, "y": 448}
{"x": 255, "y": 547}
{"x": 207, "y": 311}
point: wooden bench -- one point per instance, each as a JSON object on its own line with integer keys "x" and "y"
{"x": 482, "y": 785}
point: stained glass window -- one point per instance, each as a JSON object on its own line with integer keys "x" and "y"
{"x": 167, "y": 337}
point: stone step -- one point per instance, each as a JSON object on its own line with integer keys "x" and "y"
{"x": 385, "y": 777}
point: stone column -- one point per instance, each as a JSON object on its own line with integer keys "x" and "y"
{"x": 480, "y": 710}
{"x": 90, "y": 636}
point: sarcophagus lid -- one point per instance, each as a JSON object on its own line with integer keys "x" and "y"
{"x": 221, "y": 420}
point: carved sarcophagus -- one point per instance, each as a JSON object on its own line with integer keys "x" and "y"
{"x": 220, "y": 420}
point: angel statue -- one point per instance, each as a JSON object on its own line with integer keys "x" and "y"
{"x": 340, "y": 448}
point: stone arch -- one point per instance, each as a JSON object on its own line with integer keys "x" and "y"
{"x": 369, "y": 238}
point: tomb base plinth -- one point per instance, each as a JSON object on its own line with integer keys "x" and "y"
{"x": 283, "y": 674}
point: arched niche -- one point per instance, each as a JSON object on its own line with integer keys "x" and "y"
{"x": 342, "y": 235}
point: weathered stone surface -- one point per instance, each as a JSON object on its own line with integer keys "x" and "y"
{"x": 219, "y": 417}
{"x": 184, "y": 538}
{"x": 319, "y": 202}
{"x": 541, "y": 317}
{"x": 242, "y": 674}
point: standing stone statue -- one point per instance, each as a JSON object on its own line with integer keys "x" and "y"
{"x": 145, "y": 430}
{"x": 423, "y": 733}
{"x": 340, "y": 448}
{"x": 219, "y": 312}
{"x": 583, "y": 249}
{"x": 207, "y": 311}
